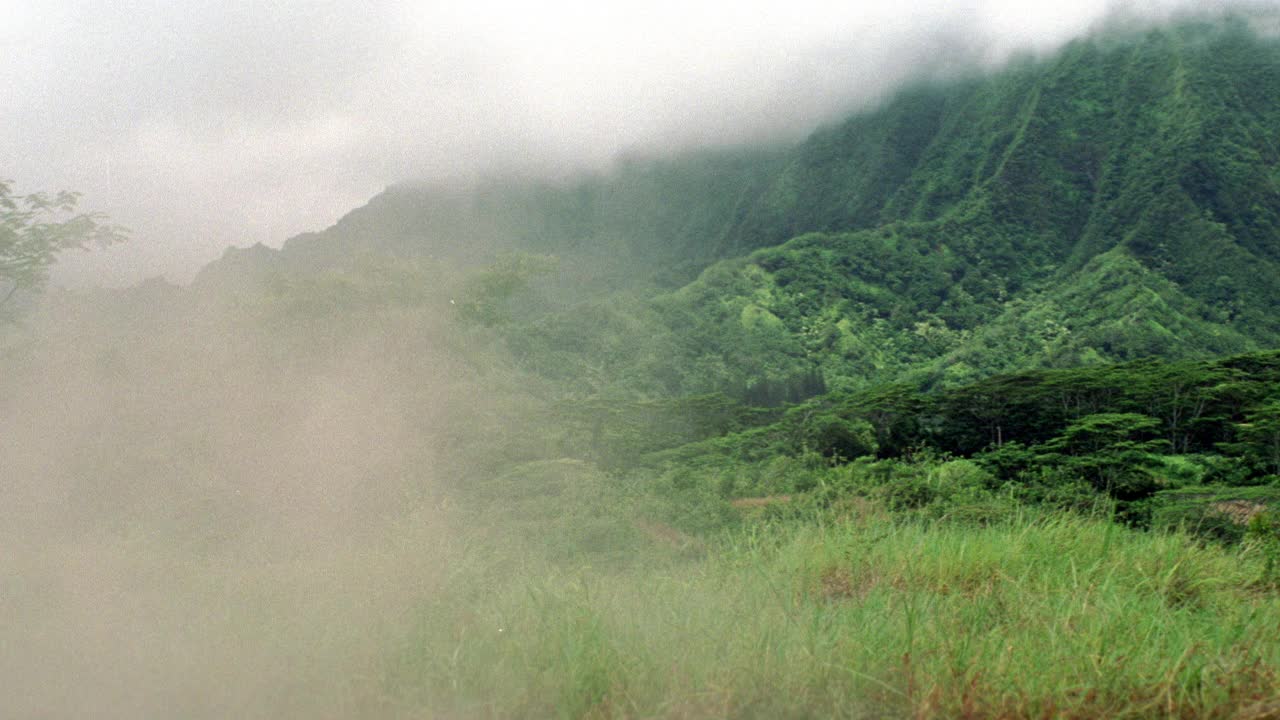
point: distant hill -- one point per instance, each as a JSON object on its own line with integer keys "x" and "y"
{"x": 671, "y": 216}
{"x": 1118, "y": 200}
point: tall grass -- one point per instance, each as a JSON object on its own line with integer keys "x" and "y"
{"x": 1035, "y": 617}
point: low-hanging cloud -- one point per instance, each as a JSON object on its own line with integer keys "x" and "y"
{"x": 206, "y": 124}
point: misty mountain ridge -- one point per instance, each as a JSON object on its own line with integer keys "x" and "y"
{"x": 1118, "y": 200}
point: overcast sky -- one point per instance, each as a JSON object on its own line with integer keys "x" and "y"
{"x": 206, "y": 124}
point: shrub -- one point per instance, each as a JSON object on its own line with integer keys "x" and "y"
{"x": 1218, "y": 513}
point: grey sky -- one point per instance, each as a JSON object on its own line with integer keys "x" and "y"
{"x": 206, "y": 124}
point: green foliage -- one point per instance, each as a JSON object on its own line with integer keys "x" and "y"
{"x": 1258, "y": 436}
{"x": 1073, "y": 439}
{"x": 1264, "y": 532}
{"x": 369, "y": 284}
{"x": 1020, "y": 221}
{"x": 567, "y": 507}
{"x": 1114, "y": 451}
{"x": 35, "y": 228}
{"x": 500, "y": 293}
{"x": 830, "y": 434}
{"x": 1220, "y": 513}
{"x": 1026, "y": 618}
{"x": 952, "y": 489}
{"x": 1107, "y": 204}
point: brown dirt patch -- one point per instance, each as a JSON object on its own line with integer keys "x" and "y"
{"x": 1239, "y": 511}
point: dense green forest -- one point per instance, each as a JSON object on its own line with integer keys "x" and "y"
{"x": 1114, "y": 202}
{"x": 956, "y": 271}
{"x": 966, "y": 406}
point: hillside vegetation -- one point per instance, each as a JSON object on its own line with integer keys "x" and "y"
{"x": 1119, "y": 200}
{"x": 967, "y": 406}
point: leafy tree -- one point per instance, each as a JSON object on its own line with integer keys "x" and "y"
{"x": 837, "y": 437}
{"x": 893, "y": 411}
{"x": 1259, "y": 437}
{"x": 1114, "y": 451}
{"x": 1176, "y": 393}
{"x": 35, "y": 228}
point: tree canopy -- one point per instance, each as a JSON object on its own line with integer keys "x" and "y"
{"x": 35, "y": 228}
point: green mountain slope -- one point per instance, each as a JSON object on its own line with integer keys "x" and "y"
{"x": 647, "y": 216}
{"x": 1118, "y": 200}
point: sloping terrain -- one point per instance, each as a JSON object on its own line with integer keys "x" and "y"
{"x": 1118, "y": 200}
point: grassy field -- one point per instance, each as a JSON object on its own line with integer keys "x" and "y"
{"x": 860, "y": 616}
